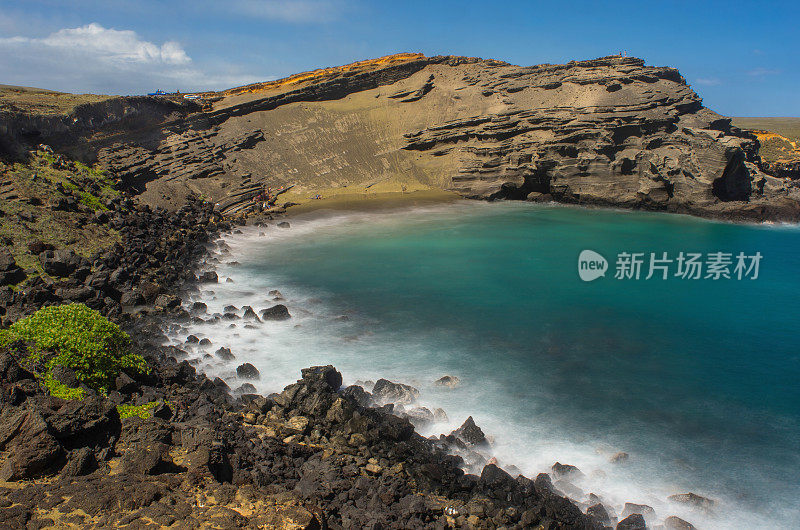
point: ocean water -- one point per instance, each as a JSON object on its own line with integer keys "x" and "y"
{"x": 698, "y": 380}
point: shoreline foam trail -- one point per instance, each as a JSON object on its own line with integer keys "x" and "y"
{"x": 321, "y": 330}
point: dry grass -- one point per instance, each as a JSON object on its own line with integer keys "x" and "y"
{"x": 788, "y": 127}
{"x": 42, "y": 102}
{"x": 779, "y": 137}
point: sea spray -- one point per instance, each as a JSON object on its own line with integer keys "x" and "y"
{"x": 552, "y": 368}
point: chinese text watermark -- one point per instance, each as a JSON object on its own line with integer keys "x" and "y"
{"x": 663, "y": 265}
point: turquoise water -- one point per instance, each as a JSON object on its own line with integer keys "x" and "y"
{"x": 696, "y": 379}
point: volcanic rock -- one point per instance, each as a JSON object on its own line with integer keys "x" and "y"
{"x": 386, "y": 391}
{"x": 276, "y": 312}
{"x": 470, "y": 433}
{"x": 247, "y": 371}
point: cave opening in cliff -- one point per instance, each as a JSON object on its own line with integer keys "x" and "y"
{"x": 734, "y": 184}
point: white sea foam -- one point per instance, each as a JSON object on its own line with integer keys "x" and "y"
{"x": 317, "y": 334}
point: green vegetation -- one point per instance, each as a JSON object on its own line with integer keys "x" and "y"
{"x": 143, "y": 411}
{"x": 31, "y": 199}
{"x": 60, "y": 390}
{"x": 78, "y": 338}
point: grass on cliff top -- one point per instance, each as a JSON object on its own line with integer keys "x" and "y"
{"x": 41, "y": 101}
{"x": 28, "y": 194}
{"x": 774, "y": 148}
{"x": 788, "y": 127}
{"x": 79, "y": 338}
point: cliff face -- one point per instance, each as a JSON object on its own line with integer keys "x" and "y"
{"x": 609, "y": 131}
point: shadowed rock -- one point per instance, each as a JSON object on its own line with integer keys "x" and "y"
{"x": 276, "y": 312}
{"x": 470, "y": 433}
{"x": 632, "y": 522}
{"x": 247, "y": 371}
{"x": 676, "y": 523}
{"x": 386, "y": 391}
{"x": 693, "y": 499}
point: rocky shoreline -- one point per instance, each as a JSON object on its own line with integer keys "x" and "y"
{"x": 313, "y": 456}
{"x": 77, "y": 463}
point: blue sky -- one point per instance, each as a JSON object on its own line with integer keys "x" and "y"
{"x": 741, "y": 57}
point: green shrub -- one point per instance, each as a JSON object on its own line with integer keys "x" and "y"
{"x": 143, "y": 411}
{"x": 78, "y": 338}
{"x": 60, "y": 390}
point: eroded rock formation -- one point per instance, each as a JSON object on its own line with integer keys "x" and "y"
{"x": 609, "y": 131}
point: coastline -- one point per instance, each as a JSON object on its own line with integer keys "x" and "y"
{"x": 149, "y": 320}
{"x": 241, "y": 455}
{"x": 372, "y": 202}
{"x": 246, "y": 241}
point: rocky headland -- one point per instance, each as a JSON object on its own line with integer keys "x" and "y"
{"x": 610, "y": 131}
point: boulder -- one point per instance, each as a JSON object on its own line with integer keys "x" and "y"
{"x": 298, "y": 425}
{"x": 693, "y": 499}
{"x": 644, "y": 510}
{"x": 419, "y": 416}
{"x": 568, "y": 489}
{"x": 386, "y": 391}
{"x": 162, "y": 411}
{"x": 79, "y": 462}
{"x": 208, "y": 277}
{"x": 36, "y": 247}
{"x": 10, "y": 272}
{"x": 244, "y": 389}
{"x": 566, "y": 471}
{"x": 470, "y": 433}
{"x": 599, "y": 513}
{"x": 328, "y": 375}
{"x": 620, "y": 457}
{"x": 62, "y": 262}
{"x": 276, "y": 312}
{"x": 131, "y": 298}
{"x": 147, "y": 459}
{"x": 249, "y": 314}
{"x": 167, "y": 301}
{"x": 632, "y": 522}
{"x": 450, "y": 381}
{"x": 361, "y": 396}
{"x": 676, "y": 523}
{"x": 495, "y": 478}
{"x": 33, "y": 450}
{"x": 247, "y": 371}
{"x": 283, "y": 224}
{"x": 225, "y": 354}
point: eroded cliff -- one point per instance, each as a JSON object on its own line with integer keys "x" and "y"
{"x": 610, "y": 131}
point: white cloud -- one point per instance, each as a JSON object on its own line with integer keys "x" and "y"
{"x": 761, "y": 72}
{"x": 708, "y": 81}
{"x": 114, "y": 45}
{"x": 92, "y": 58}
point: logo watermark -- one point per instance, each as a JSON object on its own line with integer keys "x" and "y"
{"x": 662, "y": 265}
{"x": 591, "y": 265}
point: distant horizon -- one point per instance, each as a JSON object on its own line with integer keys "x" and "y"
{"x": 740, "y": 59}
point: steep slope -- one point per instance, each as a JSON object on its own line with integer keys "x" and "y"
{"x": 609, "y": 131}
